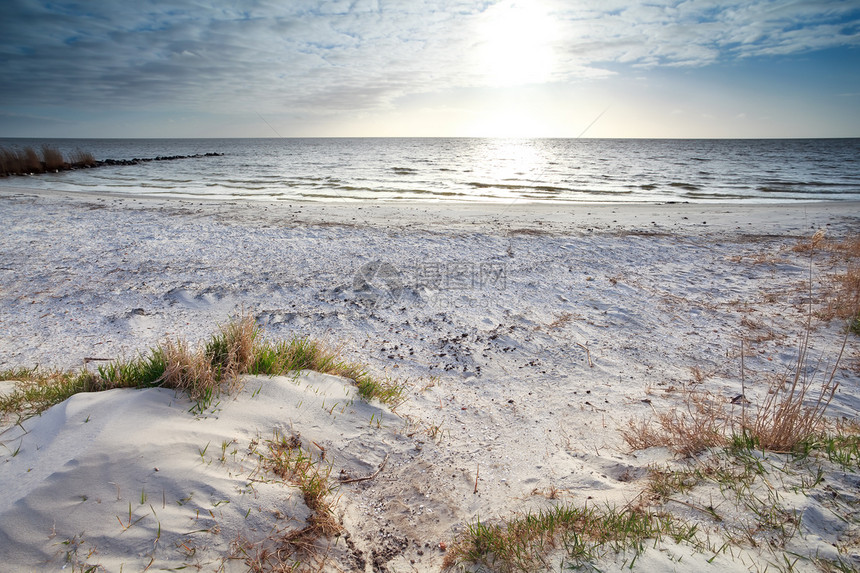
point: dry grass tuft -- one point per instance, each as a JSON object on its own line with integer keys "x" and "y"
{"x": 52, "y": 159}
{"x": 19, "y": 161}
{"x": 791, "y": 414}
{"x": 80, "y": 158}
{"x": 30, "y": 160}
{"x": 687, "y": 432}
{"x": 848, "y": 247}
{"x": 201, "y": 372}
{"x": 26, "y": 160}
{"x": 9, "y": 162}
{"x": 842, "y": 294}
{"x": 189, "y": 370}
{"x": 845, "y": 302}
{"x": 297, "y": 549}
{"x": 233, "y": 350}
{"x": 793, "y": 411}
{"x": 814, "y": 243}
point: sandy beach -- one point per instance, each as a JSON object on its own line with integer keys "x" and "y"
{"x": 528, "y": 335}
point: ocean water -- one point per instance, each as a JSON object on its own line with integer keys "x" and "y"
{"x": 462, "y": 169}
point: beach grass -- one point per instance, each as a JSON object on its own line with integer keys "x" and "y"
{"x": 81, "y": 158}
{"x": 285, "y": 457}
{"x": 738, "y": 491}
{"x": 201, "y": 372}
{"x": 26, "y": 160}
{"x": 39, "y": 389}
{"x": 52, "y": 159}
{"x": 526, "y": 542}
{"x": 792, "y": 413}
{"x": 842, "y": 297}
{"x": 739, "y": 463}
{"x": 302, "y": 353}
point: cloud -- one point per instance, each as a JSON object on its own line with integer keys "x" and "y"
{"x": 29, "y": 119}
{"x": 701, "y": 32}
{"x": 306, "y": 57}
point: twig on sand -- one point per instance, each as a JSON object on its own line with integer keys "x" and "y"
{"x": 365, "y": 478}
{"x": 587, "y": 354}
{"x": 477, "y": 472}
{"x": 322, "y": 450}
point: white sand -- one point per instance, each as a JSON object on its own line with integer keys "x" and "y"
{"x": 125, "y": 478}
{"x": 487, "y": 310}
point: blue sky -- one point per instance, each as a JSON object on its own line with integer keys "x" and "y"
{"x": 537, "y": 68}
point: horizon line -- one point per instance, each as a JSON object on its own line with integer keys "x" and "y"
{"x": 487, "y": 137}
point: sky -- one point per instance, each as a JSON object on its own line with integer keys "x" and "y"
{"x": 423, "y": 68}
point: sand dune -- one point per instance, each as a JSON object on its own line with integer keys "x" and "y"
{"x": 528, "y": 337}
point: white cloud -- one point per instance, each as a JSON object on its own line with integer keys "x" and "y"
{"x": 307, "y": 57}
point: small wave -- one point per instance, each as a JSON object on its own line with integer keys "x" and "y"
{"x": 684, "y": 186}
{"x": 321, "y": 196}
{"x": 357, "y": 188}
{"x": 806, "y": 191}
{"x": 713, "y": 195}
{"x": 168, "y": 180}
{"x": 153, "y": 186}
{"x": 241, "y": 182}
{"x": 246, "y": 187}
{"x": 518, "y": 187}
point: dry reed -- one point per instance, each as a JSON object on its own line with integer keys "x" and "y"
{"x": 188, "y": 370}
{"x": 793, "y": 412}
{"x": 842, "y": 295}
{"x": 80, "y": 158}
{"x": 701, "y": 425}
{"x": 30, "y": 160}
{"x": 202, "y": 372}
{"x": 297, "y": 549}
{"x": 790, "y": 414}
{"x": 26, "y": 161}
{"x": 52, "y": 159}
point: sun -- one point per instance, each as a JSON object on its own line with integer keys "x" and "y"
{"x": 515, "y": 44}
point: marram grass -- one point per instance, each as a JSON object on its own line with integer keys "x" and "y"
{"x": 24, "y": 161}
{"x": 583, "y": 534}
{"x": 202, "y": 372}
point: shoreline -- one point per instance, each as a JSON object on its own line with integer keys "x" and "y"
{"x": 673, "y": 216}
{"x": 528, "y": 338}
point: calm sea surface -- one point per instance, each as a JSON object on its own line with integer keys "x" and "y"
{"x": 558, "y": 170}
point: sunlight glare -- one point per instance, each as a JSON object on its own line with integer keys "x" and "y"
{"x": 509, "y": 122}
{"x": 516, "y": 44}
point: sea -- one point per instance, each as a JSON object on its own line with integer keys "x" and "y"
{"x": 465, "y": 169}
